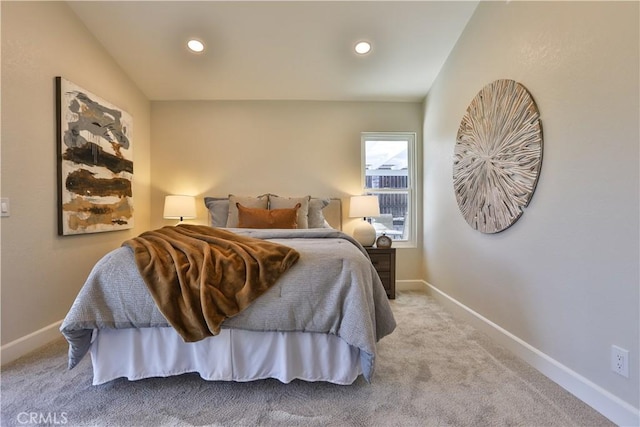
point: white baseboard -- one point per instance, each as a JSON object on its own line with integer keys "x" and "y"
{"x": 612, "y": 407}
{"x": 15, "y": 349}
{"x": 411, "y": 285}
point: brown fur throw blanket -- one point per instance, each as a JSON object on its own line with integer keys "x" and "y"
{"x": 199, "y": 276}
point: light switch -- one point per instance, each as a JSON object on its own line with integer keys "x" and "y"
{"x": 4, "y": 206}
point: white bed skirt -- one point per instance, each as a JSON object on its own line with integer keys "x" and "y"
{"x": 233, "y": 355}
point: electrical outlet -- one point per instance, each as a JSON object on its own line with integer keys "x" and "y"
{"x": 620, "y": 361}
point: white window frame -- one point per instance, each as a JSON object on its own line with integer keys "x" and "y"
{"x": 412, "y": 208}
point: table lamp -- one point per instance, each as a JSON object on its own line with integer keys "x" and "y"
{"x": 364, "y": 207}
{"x": 179, "y": 207}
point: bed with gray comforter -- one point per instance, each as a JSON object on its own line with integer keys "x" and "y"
{"x": 332, "y": 289}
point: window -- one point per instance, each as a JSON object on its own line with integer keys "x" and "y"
{"x": 388, "y": 171}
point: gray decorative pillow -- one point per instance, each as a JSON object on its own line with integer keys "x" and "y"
{"x": 260, "y": 202}
{"x": 277, "y": 202}
{"x": 315, "y": 216}
{"x": 218, "y": 210}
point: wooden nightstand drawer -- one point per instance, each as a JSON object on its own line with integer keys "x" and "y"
{"x": 384, "y": 261}
{"x": 386, "y": 279}
{"x": 381, "y": 262}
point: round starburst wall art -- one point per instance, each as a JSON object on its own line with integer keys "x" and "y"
{"x": 497, "y": 157}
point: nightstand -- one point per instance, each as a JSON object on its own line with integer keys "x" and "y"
{"x": 384, "y": 261}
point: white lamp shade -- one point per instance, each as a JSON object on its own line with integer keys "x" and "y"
{"x": 178, "y": 206}
{"x": 364, "y": 206}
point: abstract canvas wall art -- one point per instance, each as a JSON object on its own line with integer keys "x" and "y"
{"x": 95, "y": 162}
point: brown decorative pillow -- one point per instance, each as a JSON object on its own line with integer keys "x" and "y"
{"x": 267, "y": 218}
{"x": 277, "y": 202}
{"x": 261, "y": 202}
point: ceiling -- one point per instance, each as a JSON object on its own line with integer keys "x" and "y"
{"x": 288, "y": 50}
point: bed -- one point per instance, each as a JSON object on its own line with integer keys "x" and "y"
{"x": 319, "y": 321}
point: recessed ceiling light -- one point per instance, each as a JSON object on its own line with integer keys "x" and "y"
{"x": 362, "y": 47}
{"x": 195, "y": 45}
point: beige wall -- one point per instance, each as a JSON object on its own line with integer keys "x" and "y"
{"x": 289, "y": 148}
{"x": 564, "y": 278}
{"x": 42, "y": 272}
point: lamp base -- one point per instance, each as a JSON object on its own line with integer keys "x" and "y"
{"x": 364, "y": 233}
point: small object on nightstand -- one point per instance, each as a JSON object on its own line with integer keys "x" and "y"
{"x": 384, "y": 261}
{"x": 384, "y": 241}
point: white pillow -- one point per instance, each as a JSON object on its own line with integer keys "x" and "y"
{"x": 315, "y": 216}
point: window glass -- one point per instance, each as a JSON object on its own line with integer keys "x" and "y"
{"x": 388, "y": 173}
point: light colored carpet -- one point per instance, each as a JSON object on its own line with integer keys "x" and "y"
{"x": 432, "y": 371}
